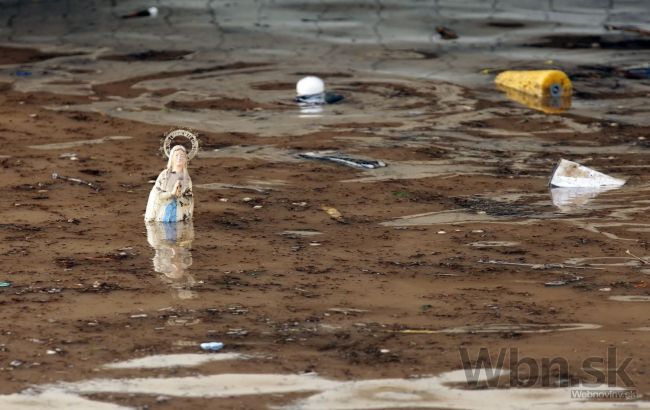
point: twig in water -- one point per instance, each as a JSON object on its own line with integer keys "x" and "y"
{"x": 539, "y": 265}
{"x": 644, "y": 261}
{"x": 76, "y": 181}
{"x": 631, "y": 29}
{"x": 247, "y": 188}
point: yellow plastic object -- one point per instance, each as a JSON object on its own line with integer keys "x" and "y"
{"x": 333, "y": 213}
{"x": 540, "y": 83}
{"x": 547, "y": 105}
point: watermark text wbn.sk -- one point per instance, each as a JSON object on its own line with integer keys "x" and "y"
{"x": 528, "y": 371}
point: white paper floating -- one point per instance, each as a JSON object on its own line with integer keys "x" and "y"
{"x": 568, "y": 174}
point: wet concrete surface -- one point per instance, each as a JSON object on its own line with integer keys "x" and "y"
{"x": 447, "y": 247}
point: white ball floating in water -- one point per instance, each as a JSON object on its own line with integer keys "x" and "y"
{"x": 310, "y": 85}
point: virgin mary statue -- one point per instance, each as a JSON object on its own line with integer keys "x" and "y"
{"x": 171, "y": 199}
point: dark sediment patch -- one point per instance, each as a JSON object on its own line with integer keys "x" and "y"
{"x": 334, "y": 8}
{"x": 273, "y": 86}
{"x": 225, "y": 104}
{"x": 390, "y": 90}
{"x": 16, "y": 55}
{"x": 326, "y": 75}
{"x": 505, "y": 24}
{"x": 149, "y": 55}
{"x": 492, "y": 207}
{"x": 583, "y": 72}
{"x": 426, "y": 55}
{"x": 607, "y": 95}
{"x": 592, "y": 41}
{"x": 365, "y": 125}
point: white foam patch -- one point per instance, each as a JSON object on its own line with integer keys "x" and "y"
{"x": 219, "y": 385}
{"x": 630, "y": 298}
{"x": 53, "y": 400}
{"x": 431, "y": 392}
{"x": 73, "y": 144}
{"x": 173, "y": 360}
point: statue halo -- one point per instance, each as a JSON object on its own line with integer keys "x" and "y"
{"x": 172, "y": 135}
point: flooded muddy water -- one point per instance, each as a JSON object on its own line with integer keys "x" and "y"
{"x": 332, "y": 287}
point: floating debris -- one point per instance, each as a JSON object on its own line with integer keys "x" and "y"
{"x": 311, "y": 91}
{"x": 76, "y": 181}
{"x": 344, "y": 160}
{"x": 540, "y": 266}
{"x": 446, "y": 33}
{"x": 568, "y": 174}
{"x": 16, "y": 363}
{"x": 318, "y": 99}
{"x": 493, "y": 244}
{"x": 629, "y": 29}
{"x": 72, "y": 156}
{"x": 644, "y": 261}
{"x": 333, "y": 213}
{"x": 540, "y": 83}
{"x": 148, "y": 12}
{"x": 555, "y": 283}
{"x": 641, "y": 72}
{"x": 212, "y": 346}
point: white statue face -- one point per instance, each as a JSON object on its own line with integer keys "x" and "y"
{"x": 179, "y": 158}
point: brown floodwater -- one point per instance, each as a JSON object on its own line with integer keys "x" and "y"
{"x": 332, "y": 287}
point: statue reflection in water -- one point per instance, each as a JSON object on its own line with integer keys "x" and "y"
{"x": 172, "y": 243}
